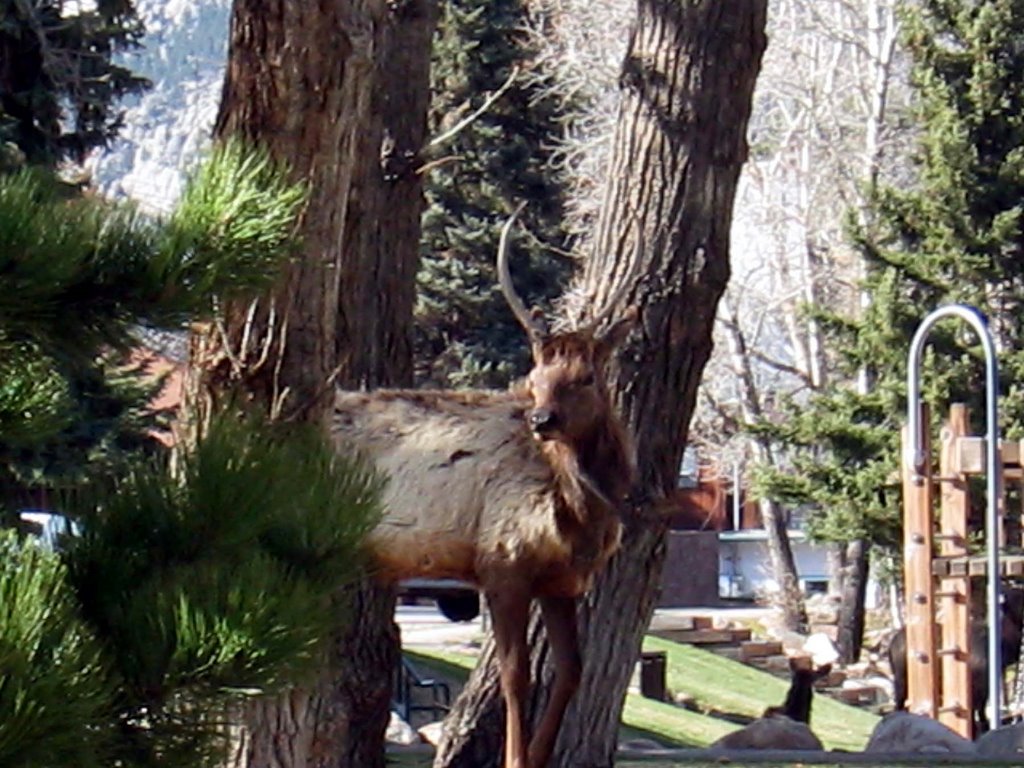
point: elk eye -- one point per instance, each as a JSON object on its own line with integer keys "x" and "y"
{"x": 587, "y": 381}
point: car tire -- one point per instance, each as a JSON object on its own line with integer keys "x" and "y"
{"x": 459, "y": 607}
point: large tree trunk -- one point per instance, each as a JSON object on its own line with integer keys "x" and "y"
{"x": 378, "y": 275}
{"x": 680, "y": 142}
{"x": 335, "y": 89}
{"x": 375, "y": 314}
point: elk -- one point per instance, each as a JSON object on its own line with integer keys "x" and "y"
{"x": 797, "y": 705}
{"x": 1011, "y": 629}
{"x": 518, "y": 492}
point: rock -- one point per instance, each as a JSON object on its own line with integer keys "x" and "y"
{"x": 1002, "y": 742}
{"x": 907, "y": 733}
{"x": 884, "y": 684}
{"x": 640, "y": 745}
{"x": 431, "y": 732}
{"x": 685, "y": 700}
{"x": 777, "y": 732}
{"x": 792, "y": 642}
{"x": 400, "y": 732}
{"x": 822, "y": 649}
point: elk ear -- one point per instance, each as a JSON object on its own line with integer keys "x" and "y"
{"x": 617, "y": 332}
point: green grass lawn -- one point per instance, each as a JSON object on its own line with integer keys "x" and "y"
{"x": 723, "y": 685}
{"x": 717, "y": 684}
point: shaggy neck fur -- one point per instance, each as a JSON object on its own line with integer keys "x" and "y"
{"x": 597, "y": 469}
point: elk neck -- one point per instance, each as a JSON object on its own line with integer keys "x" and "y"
{"x": 593, "y": 472}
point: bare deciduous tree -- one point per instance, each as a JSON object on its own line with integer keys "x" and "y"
{"x": 820, "y": 133}
{"x": 680, "y": 142}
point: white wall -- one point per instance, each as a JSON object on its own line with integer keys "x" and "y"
{"x": 744, "y": 565}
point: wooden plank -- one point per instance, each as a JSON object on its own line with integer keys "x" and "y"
{"x": 755, "y": 649}
{"x": 1009, "y": 452}
{"x": 922, "y": 670}
{"x": 704, "y": 636}
{"x": 977, "y": 565}
{"x": 954, "y": 590}
{"x": 970, "y": 454}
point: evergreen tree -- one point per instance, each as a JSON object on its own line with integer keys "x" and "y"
{"x": 59, "y": 82}
{"x": 178, "y": 592}
{"x": 954, "y": 237}
{"x": 466, "y": 335}
{"x": 80, "y": 275}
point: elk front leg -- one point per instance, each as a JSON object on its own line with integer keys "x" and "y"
{"x": 509, "y": 614}
{"x": 559, "y": 614}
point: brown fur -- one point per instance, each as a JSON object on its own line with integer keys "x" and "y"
{"x": 474, "y": 495}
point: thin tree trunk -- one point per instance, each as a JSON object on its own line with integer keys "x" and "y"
{"x": 680, "y": 143}
{"x": 850, "y": 636}
{"x": 791, "y": 598}
{"x": 321, "y": 86}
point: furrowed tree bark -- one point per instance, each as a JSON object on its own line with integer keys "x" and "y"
{"x": 374, "y": 341}
{"x": 680, "y": 142}
{"x": 375, "y": 315}
{"x": 333, "y": 89}
{"x": 853, "y": 590}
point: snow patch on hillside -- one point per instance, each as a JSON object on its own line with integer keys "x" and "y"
{"x": 167, "y": 127}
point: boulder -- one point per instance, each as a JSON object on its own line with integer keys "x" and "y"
{"x": 431, "y": 732}
{"x": 400, "y": 732}
{"x": 1002, "y": 742}
{"x": 775, "y": 732}
{"x": 822, "y": 649}
{"x": 792, "y": 642}
{"x": 907, "y": 733}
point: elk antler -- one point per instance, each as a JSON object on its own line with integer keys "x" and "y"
{"x": 533, "y": 325}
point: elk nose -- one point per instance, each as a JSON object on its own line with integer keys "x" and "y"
{"x": 542, "y": 419}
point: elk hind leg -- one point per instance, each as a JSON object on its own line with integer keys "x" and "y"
{"x": 559, "y": 614}
{"x": 509, "y": 615}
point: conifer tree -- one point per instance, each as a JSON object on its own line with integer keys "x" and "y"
{"x": 80, "y": 275}
{"x": 466, "y": 336}
{"x": 952, "y": 236}
{"x": 59, "y": 82}
{"x": 174, "y": 594}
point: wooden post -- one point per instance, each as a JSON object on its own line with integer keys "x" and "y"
{"x": 954, "y": 591}
{"x": 918, "y": 492}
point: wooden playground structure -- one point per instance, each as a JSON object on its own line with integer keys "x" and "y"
{"x": 938, "y": 579}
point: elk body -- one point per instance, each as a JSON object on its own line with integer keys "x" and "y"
{"x": 517, "y": 492}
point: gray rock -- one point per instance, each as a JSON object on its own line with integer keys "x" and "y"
{"x": 776, "y": 732}
{"x": 400, "y": 732}
{"x": 906, "y": 733}
{"x": 431, "y": 732}
{"x": 641, "y": 745}
{"x": 1002, "y": 742}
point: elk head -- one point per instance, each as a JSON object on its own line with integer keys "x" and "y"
{"x": 567, "y": 382}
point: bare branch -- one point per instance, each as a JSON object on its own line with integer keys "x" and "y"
{"x": 460, "y": 126}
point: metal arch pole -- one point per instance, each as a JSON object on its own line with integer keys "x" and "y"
{"x": 917, "y": 458}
